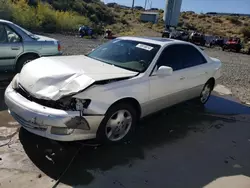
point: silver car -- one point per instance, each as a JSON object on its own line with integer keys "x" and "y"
{"x": 19, "y": 46}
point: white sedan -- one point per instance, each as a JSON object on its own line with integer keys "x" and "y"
{"x": 104, "y": 94}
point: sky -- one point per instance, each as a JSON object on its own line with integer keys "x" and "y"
{"x": 226, "y": 6}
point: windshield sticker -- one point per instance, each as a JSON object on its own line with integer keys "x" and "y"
{"x": 145, "y": 47}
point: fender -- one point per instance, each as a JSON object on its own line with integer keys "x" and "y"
{"x": 27, "y": 52}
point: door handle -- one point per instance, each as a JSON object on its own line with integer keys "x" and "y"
{"x": 15, "y": 48}
{"x": 182, "y": 78}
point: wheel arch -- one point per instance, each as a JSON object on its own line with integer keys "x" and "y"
{"x": 129, "y": 100}
{"x": 211, "y": 80}
{"x": 25, "y": 54}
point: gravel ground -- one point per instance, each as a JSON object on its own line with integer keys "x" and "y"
{"x": 235, "y": 70}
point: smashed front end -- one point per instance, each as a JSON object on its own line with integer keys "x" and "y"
{"x": 61, "y": 119}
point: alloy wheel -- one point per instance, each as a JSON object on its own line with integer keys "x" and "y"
{"x": 118, "y": 125}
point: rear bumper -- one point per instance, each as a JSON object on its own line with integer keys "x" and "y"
{"x": 51, "y": 123}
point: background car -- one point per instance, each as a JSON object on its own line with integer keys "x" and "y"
{"x": 19, "y": 46}
{"x": 179, "y": 35}
{"x": 233, "y": 44}
{"x": 197, "y": 38}
{"x": 104, "y": 94}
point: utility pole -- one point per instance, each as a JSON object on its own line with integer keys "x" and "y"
{"x": 145, "y": 4}
{"x": 133, "y": 4}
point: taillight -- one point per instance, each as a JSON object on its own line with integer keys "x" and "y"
{"x": 59, "y": 47}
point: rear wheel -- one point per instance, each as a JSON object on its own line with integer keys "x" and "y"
{"x": 24, "y": 60}
{"x": 118, "y": 124}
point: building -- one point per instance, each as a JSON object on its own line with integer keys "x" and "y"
{"x": 150, "y": 17}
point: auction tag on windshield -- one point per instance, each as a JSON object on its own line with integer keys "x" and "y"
{"x": 145, "y": 47}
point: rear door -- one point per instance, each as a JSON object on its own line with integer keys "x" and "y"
{"x": 195, "y": 69}
{"x": 10, "y": 47}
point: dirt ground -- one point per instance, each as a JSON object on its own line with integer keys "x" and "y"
{"x": 183, "y": 146}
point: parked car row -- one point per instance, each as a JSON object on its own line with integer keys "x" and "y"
{"x": 194, "y": 37}
{"x": 231, "y": 44}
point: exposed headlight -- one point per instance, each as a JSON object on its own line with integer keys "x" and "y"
{"x": 73, "y": 104}
{"x": 79, "y": 104}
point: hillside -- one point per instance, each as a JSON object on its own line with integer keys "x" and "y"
{"x": 65, "y": 15}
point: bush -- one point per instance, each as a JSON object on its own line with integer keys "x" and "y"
{"x": 24, "y": 14}
{"x": 5, "y": 10}
{"x": 42, "y": 17}
{"x": 202, "y": 16}
{"x": 180, "y": 24}
{"x": 94, "y": 18}
{"x": 217, "y": 20}
{"x": 234, "y": 20}
{"x": 246, "y": 32}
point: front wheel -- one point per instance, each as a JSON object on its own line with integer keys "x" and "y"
{"x": 206, "y": 92}
{"x": 118, "y": 124}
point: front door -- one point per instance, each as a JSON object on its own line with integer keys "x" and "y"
{"x": 165, "y": 90}
{"x": 10, "y": 47}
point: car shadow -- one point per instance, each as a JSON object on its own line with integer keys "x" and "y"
{"x": 164, "y": 128}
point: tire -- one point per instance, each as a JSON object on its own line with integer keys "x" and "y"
{"x": 23, "y": 60}
{"x": 206, "y": 92}
{"x": 121, "y": 131}
{"x": 238, "y": 49}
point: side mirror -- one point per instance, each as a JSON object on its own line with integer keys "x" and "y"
{"x": 164, "y": 71}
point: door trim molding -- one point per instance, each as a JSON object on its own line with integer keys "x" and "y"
{"x": 5, "y": 58}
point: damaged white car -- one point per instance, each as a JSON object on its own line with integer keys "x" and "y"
{"x": 104, "y": 94}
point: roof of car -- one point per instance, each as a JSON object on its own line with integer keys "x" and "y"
{"x": 5, "y": 21}
{"x": 154, "y": 40}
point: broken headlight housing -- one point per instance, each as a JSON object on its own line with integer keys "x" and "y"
{"x": 79, "y": 104}
{"x": 74, "y": 104}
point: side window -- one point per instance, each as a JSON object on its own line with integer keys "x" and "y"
{"x": 191, "y": 56}
{"x": 3, "y": 34}
{"x": 171, "y": 58}
{"x": 12, "y": 36}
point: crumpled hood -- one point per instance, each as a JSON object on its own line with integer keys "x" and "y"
{"x": 51, "y": 78}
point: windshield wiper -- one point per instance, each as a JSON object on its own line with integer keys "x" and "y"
{"x": 127, "y": 68}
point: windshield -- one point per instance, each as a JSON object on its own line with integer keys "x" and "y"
{"x": 127, "y": 54}
{"x": 28, "y": 33}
